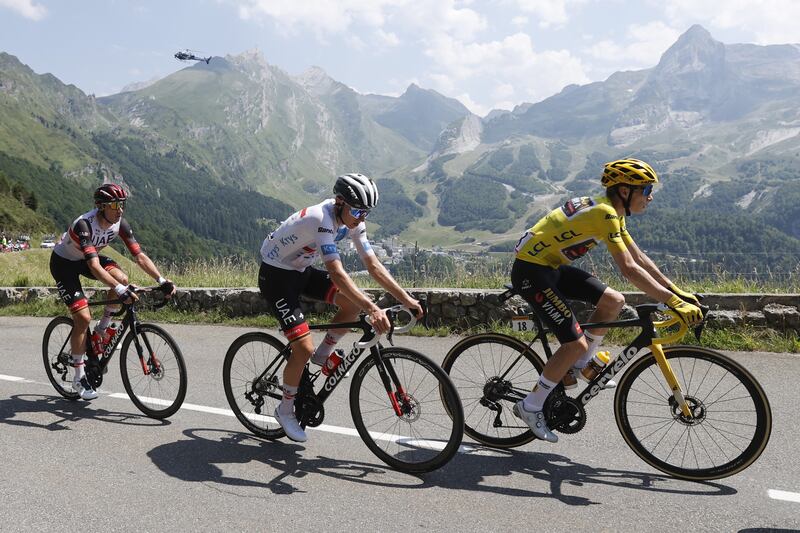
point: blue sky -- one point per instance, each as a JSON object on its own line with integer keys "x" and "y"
{"x": 488, "y": 54}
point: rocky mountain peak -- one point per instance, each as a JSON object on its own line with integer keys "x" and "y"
{"x": 316, "y": 81}
{"x": 694, "y": 51}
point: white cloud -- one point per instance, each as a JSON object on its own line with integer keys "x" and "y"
{"x": 324, "y": 17}
{"x": 519, "y": 21}
{"x": 549, "y": 12}
{"x": 641, "y": 46}
{"x": 26, "y": 8}
{"x": 503, "y": 90}
{"x": 768, "y": 21}
{"x": 511, "y": 61}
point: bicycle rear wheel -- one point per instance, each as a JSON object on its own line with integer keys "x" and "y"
{"x": 57, "y": 358}
{"x": 251, "y": 375}
{"x": 493, "y": 371}
{"x": 731, "y": 421}
{"x": 156, "y": 379}
{"x": 429, "y": 431}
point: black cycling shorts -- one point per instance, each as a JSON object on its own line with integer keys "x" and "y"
{"x": 546, "y": 290}
{"x": 67, "y": 275}
{"x": 282, "y": 289}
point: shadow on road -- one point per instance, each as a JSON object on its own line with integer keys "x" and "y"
{"x": 202, "y": 456}
{"x": 14, "y": 409}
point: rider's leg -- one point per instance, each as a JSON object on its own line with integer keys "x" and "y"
{"x": 292, "y": 373}
{"x": 81, "y": 319}
{"x": 110, "y": 309}
{"x": 607, "y": 309}
{"x": 347, "y": 312}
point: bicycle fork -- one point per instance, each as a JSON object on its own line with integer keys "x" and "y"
{"x": 152, "y": 364}
{"x": 672, "y": 380}
{"x": 398, "y": 398}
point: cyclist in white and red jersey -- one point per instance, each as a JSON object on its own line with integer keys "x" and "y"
{"x": 77, "y": 255}
{"x": 286, "y": 272}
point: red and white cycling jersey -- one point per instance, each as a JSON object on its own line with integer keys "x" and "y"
{"x": 309, "y": 233}
{"x": 85, "y": 238}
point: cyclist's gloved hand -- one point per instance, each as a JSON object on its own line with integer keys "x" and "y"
{"x": 379, "y": 321}
{"x": 166, "y": 286}
{"x": 685, "y": 296}
{"x": 126, "y": 293}
{"x": 689, "y": 313}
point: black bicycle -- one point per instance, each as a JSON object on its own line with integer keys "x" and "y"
{"x": 688, "y": 411}
{"x": 154, "y": 374}
{"x": 404, "y": 406}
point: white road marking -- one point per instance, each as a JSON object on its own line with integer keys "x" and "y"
{"x": 784, "y": 495}
{"x": 350, "y": 432}
{"x": 11, "y": 378}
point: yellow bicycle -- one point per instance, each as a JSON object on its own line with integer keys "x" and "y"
{"x": 688, "y": 411}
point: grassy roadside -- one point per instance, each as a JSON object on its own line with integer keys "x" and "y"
{"x": 740, "y": 339}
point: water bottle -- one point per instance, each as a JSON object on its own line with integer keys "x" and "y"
{"x": 602, "y": 358}
{"x": 596, "y": 365}
{"x": 332, "y": 362}
{"x": 97, "y": 344}
{"x": 111, "y": 330}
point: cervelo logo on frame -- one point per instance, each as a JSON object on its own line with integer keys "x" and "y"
{"x": 623, "y": 359}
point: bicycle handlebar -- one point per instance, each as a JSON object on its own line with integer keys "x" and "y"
{"x": 683, "y": 327}
{"x": 391, "y": 313}
{"x": 134, "y": 289}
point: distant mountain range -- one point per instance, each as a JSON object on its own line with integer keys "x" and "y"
{"x": 721, "y": 124}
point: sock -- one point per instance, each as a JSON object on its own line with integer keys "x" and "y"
{"x": 326, "y": 347}
{"x": 105, "y": 321}
{"x": 287, "y": 402}
{"x": 77, "y": 362}
{"x": 535, "y": 400}
{"x": 594, "y": 344}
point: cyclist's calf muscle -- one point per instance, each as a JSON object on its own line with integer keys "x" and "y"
{"x": 302, "y": 348}
{"x": 564, "y": 358}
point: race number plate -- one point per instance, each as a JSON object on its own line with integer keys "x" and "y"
{"x": 521, "y": 323}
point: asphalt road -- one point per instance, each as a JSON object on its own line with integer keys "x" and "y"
{"x": 102, "y": 466}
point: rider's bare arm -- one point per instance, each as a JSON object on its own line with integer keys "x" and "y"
{"x": 100, "y": 273}
{"x": 387, "y": 281}
{"x": 347, "y": 287}
{"x": 640, "y": 276}
{"x": 646, "y": 263}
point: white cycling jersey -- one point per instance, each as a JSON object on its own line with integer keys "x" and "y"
{"x": 85, "y": 237}
{"x": 309, "y": 233}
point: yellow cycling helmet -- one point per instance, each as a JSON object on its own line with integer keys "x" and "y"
{"x": 628, "y": 172}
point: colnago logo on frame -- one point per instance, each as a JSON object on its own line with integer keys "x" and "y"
{"x": 342, "y": 369}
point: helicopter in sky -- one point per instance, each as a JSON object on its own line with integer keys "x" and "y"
{"x": 189, "y": 55}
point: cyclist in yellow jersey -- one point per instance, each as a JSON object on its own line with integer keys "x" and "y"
{"x": 543, "y": 276}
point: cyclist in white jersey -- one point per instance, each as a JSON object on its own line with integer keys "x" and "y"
{"x": 77, "y": 255}
{"x": 286, "y": 273}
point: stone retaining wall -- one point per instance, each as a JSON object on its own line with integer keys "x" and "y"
{"x": 461, "y": 308}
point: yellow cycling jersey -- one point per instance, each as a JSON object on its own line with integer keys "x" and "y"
{"x": 570, "y": 231}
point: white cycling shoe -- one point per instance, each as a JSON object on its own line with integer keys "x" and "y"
{"x": 535, "y": 420}
{"x": 84, "y": 389}
{"x": 291, "y": 426}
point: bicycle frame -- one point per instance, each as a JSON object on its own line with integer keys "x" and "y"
{"x": 646, "y": 339}
{"x": 130, "y": 321}
{"x": 386, "y": 372}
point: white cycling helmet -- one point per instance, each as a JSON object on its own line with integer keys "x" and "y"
{"x": 357, "y": 190}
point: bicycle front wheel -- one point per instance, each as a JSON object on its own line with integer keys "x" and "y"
{"x": 251, "y": 374}
{"x": 731, "y": 417}
{"x": 57, "y": 358}
{"x": 155, "y": 378}
{"x": 427, "y": 431}
{"x": 493, "y": 371}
